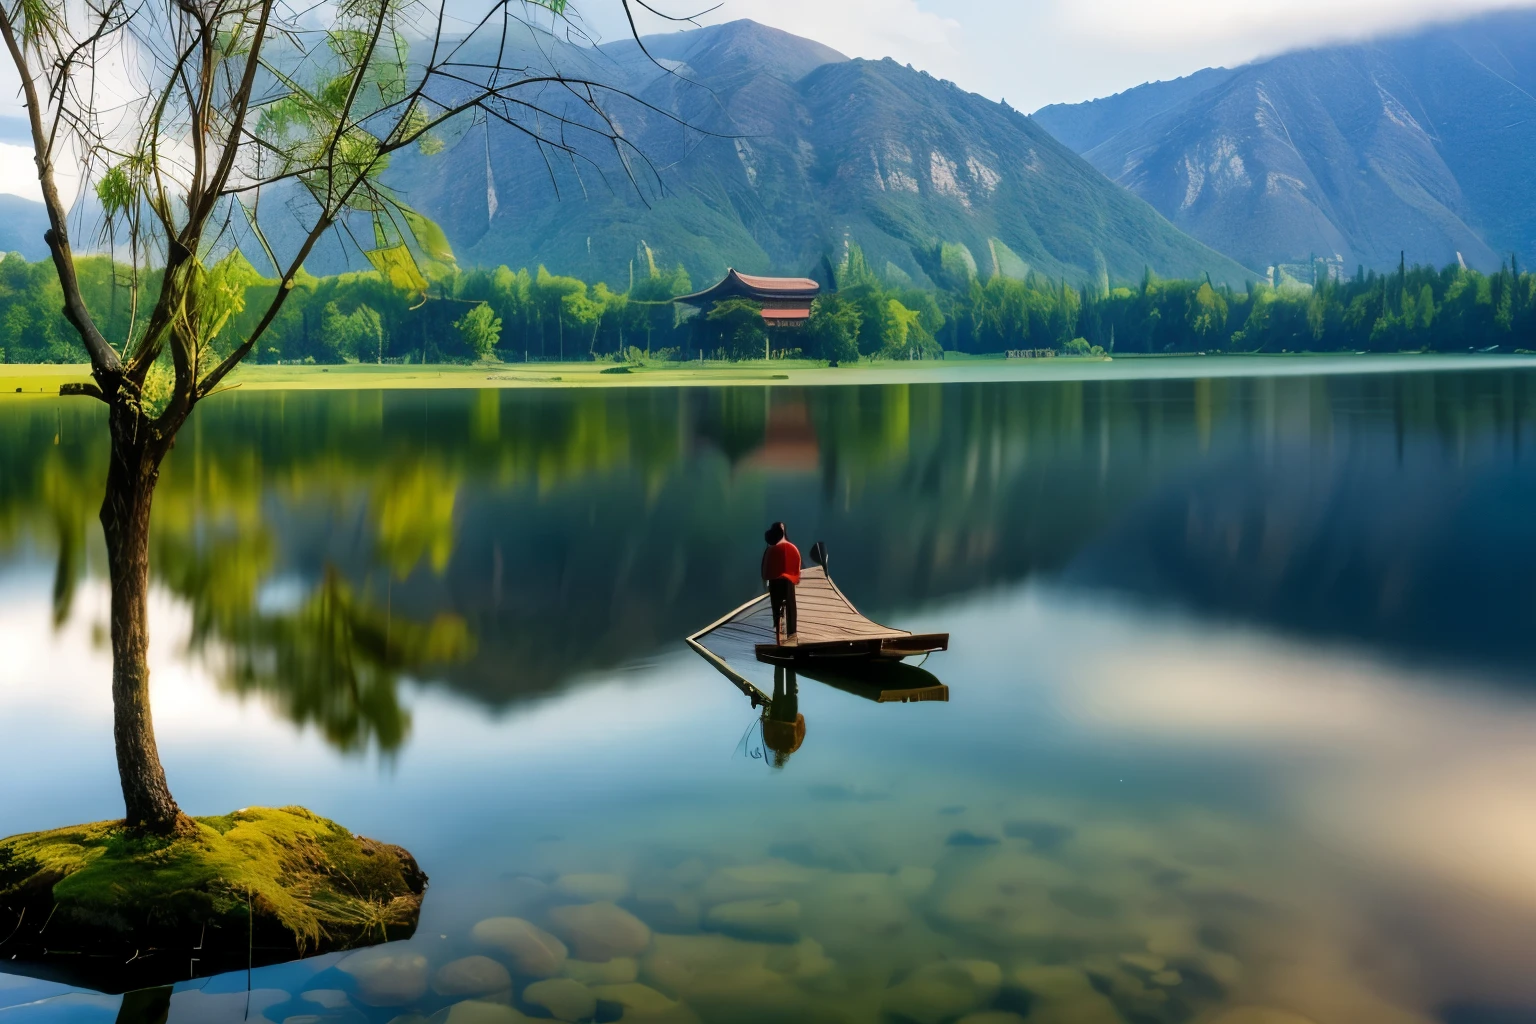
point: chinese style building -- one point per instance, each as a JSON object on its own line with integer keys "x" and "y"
{"x": 786, "y": 301}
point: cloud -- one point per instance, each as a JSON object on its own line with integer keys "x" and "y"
{"x": 900, "y": 29}
{"x": 18, "y": 174}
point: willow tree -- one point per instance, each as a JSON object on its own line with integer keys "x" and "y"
{"x": 183, "y": 117}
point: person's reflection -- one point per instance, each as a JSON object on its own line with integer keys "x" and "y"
{"x": 783, "y": 724}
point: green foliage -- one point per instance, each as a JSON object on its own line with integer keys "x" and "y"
{"x": 380, "y": 317}
{"x": 481, "y": 329}
{"x": 735, "y": 327}
{"x": 833, "y": 331}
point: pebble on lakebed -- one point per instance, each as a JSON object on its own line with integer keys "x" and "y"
{"x": 600, "y": 931}
{"x": 534, "y": 953}
{"x": 282, "y": 881}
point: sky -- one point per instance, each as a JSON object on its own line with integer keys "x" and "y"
{"x": 1035, "y": 52}
{"x": 1028, "y": 52}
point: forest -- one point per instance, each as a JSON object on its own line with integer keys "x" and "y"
{"x": 535, "y": 315}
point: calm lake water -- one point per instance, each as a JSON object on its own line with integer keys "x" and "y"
{"x": 1241, "y": 721}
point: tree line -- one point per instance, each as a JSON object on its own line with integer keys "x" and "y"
{"x": 539, "y": 316}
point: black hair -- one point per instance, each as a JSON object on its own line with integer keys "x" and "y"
{"x": 775, "y": 533}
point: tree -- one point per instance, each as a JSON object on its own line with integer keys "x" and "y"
{"x": 736, "y": 325}
{"x": 481, "y": 329}
{"x": 183, "y": 115}
{"x": 833, "y": 329}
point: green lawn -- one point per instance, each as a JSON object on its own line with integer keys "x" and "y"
{"x": 24, "y": 379}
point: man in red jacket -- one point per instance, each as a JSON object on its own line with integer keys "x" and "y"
{"x": 781, "y": 571}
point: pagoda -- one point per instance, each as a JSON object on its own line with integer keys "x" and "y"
{"x": 786, "y": 301}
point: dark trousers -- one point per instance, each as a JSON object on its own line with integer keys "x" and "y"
{"x": 781, "y": 593}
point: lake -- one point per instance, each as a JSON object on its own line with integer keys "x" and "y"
{"x": 1241, "y": 717}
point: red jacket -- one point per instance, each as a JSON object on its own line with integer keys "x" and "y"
{"x": 782, "y": 560}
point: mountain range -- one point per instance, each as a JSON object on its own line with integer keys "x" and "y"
{"x": 1421, "y": 144}
{"x": 750, "y": 147}
{"x": 769, "y": 152}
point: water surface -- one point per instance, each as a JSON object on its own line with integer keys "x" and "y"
{"x": 1242, "y": 701}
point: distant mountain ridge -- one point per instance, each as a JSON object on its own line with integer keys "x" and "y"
{"x": 798, "y": 151}
{"x": 1423, "y": 143}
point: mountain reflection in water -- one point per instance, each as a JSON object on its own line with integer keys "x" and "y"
{"x": 572, "y": 532}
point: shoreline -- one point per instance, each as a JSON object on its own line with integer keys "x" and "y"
{"x": 19, "y": 380}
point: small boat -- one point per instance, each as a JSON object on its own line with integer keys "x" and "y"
{"x": 831, "y": 631}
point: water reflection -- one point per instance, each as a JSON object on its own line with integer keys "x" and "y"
{"x": 1153, "y": 796}
{"x": 575, "y": 532}
{"x": 782, "y": 724}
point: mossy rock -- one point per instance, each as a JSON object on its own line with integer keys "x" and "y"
{"x": 256, "y": 887}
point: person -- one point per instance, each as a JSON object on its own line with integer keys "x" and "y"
{"x": 781, "y": 571}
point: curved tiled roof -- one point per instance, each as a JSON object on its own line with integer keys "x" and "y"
{"x": 751, "y": 286}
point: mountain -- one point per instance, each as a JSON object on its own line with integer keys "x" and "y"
{"x": 757, "y": 149}
{"x": 1423, "y": 143}
{"x": 22, "y": 224}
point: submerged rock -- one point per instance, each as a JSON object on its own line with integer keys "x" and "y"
{"x": 758, "y": 881}
{"x": 943, "y": 991}
{"x": 593, "y": 887}
{"x": 475, "y": 1011}
{"x": 1064, "y": 995}
{"x": 618, "y": 971}
{"x": 1260, "y": 1015}
{"x": 387, "y": 976}
{"x": 640, "y": 1003}
{"x": 666, "y": 909}
{"x": 600, "y": 931}
{"x": 283, "y": 882}
{"x": 533, "y": 952}
{"x": 471, "y": 976}
{"x": 769, "y": 919}
{"x": 564, "y": 998}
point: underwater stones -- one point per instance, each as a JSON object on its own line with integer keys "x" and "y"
{"x": 854, "y": 908}
{"x": 771, "y": 920}
{"x": 964, "y": 837}
{"x": 534, "y": 953}
{"x": 387, "y": 976}
{"x": 804, "y": 961}
{"x": 1044, "y": 836}
{"x": 914, "y": 881}
{"x": 676, "y": 960}
{"x": 1145, "y": 961}
{"x": 475, "y": 1011}
{"x": 774, "y": 878}
{"x": 593, "y": 888}
{"x": 564, "y": 998}
{"x": 998, "y": 895}
{"x": 748, "y": 995}
{"x": 600, "y": 931}
{"x": 471, "y": 976}
{"x": 1260, "y": 1015}
{"x": 991, "y": 1017}
{"x": 666, "y": 909}
{"x": 617, "y": 971}
{"x": 329, "y": 998}
{"x": 1063, "y": 995}
{"x": 942, "y": 991}
{"x": 641, "y": 1003}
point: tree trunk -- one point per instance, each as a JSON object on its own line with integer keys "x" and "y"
{"x": 131, "y": 477}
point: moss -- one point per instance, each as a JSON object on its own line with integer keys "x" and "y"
{"x": 259, "y": 885}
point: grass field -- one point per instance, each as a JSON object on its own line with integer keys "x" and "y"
{"x": 19, "y": 379}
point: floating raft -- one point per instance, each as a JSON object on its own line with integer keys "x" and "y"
{"x": 831, "y": 630}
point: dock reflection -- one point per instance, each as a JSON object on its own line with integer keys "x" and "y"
{"x": 783, "y": 724}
